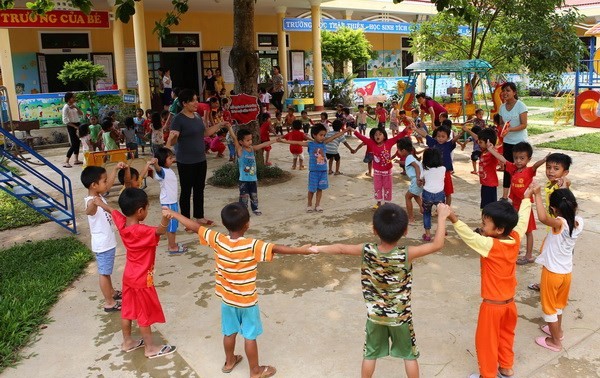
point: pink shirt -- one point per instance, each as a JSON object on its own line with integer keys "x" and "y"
{"x": 382, "y": 156}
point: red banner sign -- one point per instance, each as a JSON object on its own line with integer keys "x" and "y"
{"x": 24, "y": 18}
{"x": 244, "y": 108}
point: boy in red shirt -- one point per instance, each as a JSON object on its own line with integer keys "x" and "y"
{"x": 488, "y": 178}
{"x": 381, "y": 115}
{"x": 520, "y": 179}
{"x": 266, "y": 128}
{"x": 296, "y": 150}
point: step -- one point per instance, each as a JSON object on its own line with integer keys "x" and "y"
{"x": 6, "y": 176}
{"x": 41, "y": 203}
{"x": 60, "y": 216}
{"x": 23, "y": 190}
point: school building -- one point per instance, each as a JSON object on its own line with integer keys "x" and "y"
{"x": 33, "y": 48}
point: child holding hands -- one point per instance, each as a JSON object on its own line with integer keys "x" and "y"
{"x": 386, "y": 271}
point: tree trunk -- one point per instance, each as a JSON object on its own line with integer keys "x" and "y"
{"x": 243, "y": 59}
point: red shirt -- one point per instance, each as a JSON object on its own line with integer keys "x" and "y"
{"x": 265, "y": 130}
{"x": 487, "y": 169}
{"x": 381, "y": 114}
{"x": 296, "y": 135}
{"x": 519, "y": 182}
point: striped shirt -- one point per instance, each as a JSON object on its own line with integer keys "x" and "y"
{"x": 236, "y": 265}
{"x": 333, "y": 146}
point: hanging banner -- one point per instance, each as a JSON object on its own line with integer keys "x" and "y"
{"x": 244, "y": 108}
{"x": 25, "y": 18}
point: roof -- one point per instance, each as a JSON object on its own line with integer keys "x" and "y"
{"x": 473, "y": 65}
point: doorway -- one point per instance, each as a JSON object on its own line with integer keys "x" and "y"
{"x": 267, "y": 59}
{"x": 184, "y": 69}
{"x": 54, "y": 64}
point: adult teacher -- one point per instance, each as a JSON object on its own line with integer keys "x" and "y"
{"x": 514, "y": 111}
{"x": 431, "y": 107}
{"x": 188, "y": 132}
{"x": 71, "y": 118}
{"x": 277, "y": 91}
{"x": 208, "y": 87}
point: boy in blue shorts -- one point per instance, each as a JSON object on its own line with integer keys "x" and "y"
{"x": 104, "y": 244}
{"x": 317, "y": 166}
{"x": 386, "y": 272}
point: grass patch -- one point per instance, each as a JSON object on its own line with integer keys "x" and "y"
{"x": 14, "y": 213}
{"x": 32, "y": 275}
{"x": 547, "y": 116}
{"x": 535, "y": 101}
{"x": 582, "y": 143}
{"x": 227, "y": 175}
{"x": 536, "y": 129}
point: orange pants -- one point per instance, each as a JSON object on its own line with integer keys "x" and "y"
{"x": 495, "y": 337}
{"x": 554, "y": 293}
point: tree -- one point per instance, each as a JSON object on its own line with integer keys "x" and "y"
{"x": 243, "y": 59}
{"x": 84, "y": 72}
{"x": 344, "y": 45}
{"x": 512, "y": 35}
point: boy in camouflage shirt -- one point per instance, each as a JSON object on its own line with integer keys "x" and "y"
{"x": 386, "y": 276}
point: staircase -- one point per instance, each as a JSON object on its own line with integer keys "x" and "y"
{"x": 52, "y": 194}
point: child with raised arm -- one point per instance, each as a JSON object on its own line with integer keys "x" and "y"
{"x": 520, "y": 179}
{"x": 442, "y": 141}
{"x": 297, "y": 151}
{"x": 488, "y": 178}
{"x": 556, "y": 259}
{"x": 361, "y": 119}
{"x": 498, "y": 244}
{"x": 332, "y": 148}
{"x": 236, "y": 261}
{"x": 289, "y": 119}
{"x": 266, "y": 128}
{"x": 414, "y": 171}
{"x": 98, "y": 182}
{"x": 317, "y": 164}
{"x": 140, "y": 300}
{"x": 386, "y": 271}
{"x": 381, "y": 115}
{"x": 476, "y": 153}
{"x": 247, "y": 166}
{"x": 381, "y": 148}
{"x": 432, "y": 181}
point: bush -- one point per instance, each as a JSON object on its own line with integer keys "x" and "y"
{"x": 228, "y": 174}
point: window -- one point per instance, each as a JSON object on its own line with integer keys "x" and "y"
{"x": 153, "y": 76}
{"x": 210, "y": 59}
{"x": 407, "y": 57}
{"x": 269, "y": 41}
{"x": 53, "y": 43}
{"x": 359, "y": 71}
{"x": 181, "y": 42}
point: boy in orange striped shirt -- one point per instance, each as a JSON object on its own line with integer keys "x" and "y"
{"x": 236, "y": 259}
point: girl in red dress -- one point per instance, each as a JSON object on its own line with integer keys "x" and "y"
{"x": 140, "y": 300}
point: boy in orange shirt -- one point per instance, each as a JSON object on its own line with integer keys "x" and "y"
{"x": 498, "y": 244}
{"x": 237, "y": 260}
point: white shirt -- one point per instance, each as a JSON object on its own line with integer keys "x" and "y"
{"x": 265, "y": 97}
{"x": 70, "y": 115}
{"x": 514, "y": 116}
{"x": 84, "y": 143}
{"x": 101, "y": 228}
{"x": 557, "y": 249}
{"x": 168, "y": 186}
{"x": 166, "y": 80}
{"x": 434, "y": 179}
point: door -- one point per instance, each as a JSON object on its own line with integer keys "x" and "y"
{"x": 266, "y": 61}
{"x": 42, "y": 72}
{"x": 54, "y": 64}
{"x": 184, "y": 69}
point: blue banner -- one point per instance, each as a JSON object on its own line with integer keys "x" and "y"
{"x": 305, "y": 25}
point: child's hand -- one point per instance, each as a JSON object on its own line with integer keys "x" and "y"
{"x": 563, "y": 183}
{"x": 313, "y": 249}
{"x": 489, "y": 145}
{"x": 278, "y": 139}
{"x": 443, "y": 211}
{"x": 153, "y": 161}
{"x": 121, "y": 165}
{"x": 167, "y": 213}
{"x": 420, "y": 182}
{"x": 308, "y": 249}
{"x": 97, "y": 201}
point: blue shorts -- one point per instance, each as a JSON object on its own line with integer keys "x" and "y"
{"x": 244, "y": 320}
{"x": 106, "y": 261}
{"x": 173, "y": 223}
{"x": 414, "y": 188}
{"x": 317, "y": 180}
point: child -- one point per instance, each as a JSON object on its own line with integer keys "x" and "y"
{"x": 278, "y": 123}
{"x": 289, "y": 118}
{"x": 520, "y": 179}
{"x": 368, "y": 159}
{"x": 86, "y": 141}
{"x": 306, "y": 122}
{"x": 386, "y": 271}
{"x": 381, "y": 148}
{"x": 217, "y": 143}
{"x": 164, "y": 118}
{"x": 157, "y": 137}
{"x": 110, "y": 136}
{"x": 140, "y": 300}
{"x": 266, "y": 128}
{"x": 265, "y": 99}
{"x": 317, "y": 164}
{"x": 130, "y": 136}
{"x": 325, "y": 122}
{"x": 230, "y": 143}
{"x": 498, "y": 244}
{"x": 339, "y": 112}
{"x": 488, "y": 178}
{"x": 361, "y": 119}
{"x": 332, "y": 148}
{"x": 557, "y": 169}
{"x": 162, "y": 162}
{"x": 247, "y": 166}
{"x": 556, "y": 259}
{"x": 413, "y": 171}
{"x": 148, "y": 121}
{"x": 349, "y": 121}
{"x": 478, "y": 120}
{"x": 129, "y": 177}
{"x": 236, "y": 263}
{"x": 381, "y": 115}
{"x": 433, "y": 186}
{"x": 418, "y": 124}
{"x": 499, "y": 145}
{"x": 441, "y": 141}
{"x": 95, "y": 131}
{"x": 394, "y": 112}
{"x": 104, "y": 244}
{"x": 297, "y": 151}
{"x": 476, "y": 154}
{"x": 140, "y": 132}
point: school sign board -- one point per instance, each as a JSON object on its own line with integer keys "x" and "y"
{"x": 25, "y": 18}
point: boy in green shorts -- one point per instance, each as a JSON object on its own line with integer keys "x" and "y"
{"x": 386, "y": 276}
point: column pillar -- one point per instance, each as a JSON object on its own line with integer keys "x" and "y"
{"x": 282, "y": 52}
{"x": 8, "y": 75}
{"x": 119, "y": 53}
{"x": 315, "y": 13}
{"x": 348, "y": 63}
{"x": 141, "y": 55}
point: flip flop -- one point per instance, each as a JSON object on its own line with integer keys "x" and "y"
{"x": 139, "y": 345}
{"x": 541, "y": 341}
{"x": 267, "y": 372}
{"x": 118, "y": 295}
{"x": 164, "y": 351}
{"x": 115, "y": 308}
{"x": 546, "y": 330}
{"x": 524, "y": 261}
{"x": 78, "y": 163}
{"x": 500, "y": 375}
{"x": 207, "y": 222}
{"x": 319, "y": 209}
{"x": 534, "y": 287}
{"x": 180, "y": 249}
{"x": 309, "y": 209}
{"x": 67, "y": 165}
{"x": 238, "y": 359}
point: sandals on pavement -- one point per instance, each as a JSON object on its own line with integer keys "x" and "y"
{"x": 541, "y": 341}
{"x": 115, "y": 308}
{"x": 164, "y": 351}
{"x": 268, "y": 371}
{"x": 67, "y": 165}
{"x": 309, "y": 209}
{"x": 78, "y": 163}
{"x": 139, "y": 345}
{"x": 319, "y": 209}
{"x": 257, "y": 212}
{"x": 426, "y": 237}
{"x": 180, "y": 249}
{"x": 546, "y": 330}
{"x": 118, "y": 295}
{"x": 525, "y": 261}
{"x": 534, "y": 287}
{"x": 238, "y": 359}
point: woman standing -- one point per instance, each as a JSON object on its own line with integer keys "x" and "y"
{"x": 209, "y": 84}
{"x": 188, "y": 132}
{"x": 431, "y": 107}
{"x": 514, "y": 111}
{"x": 71, "y": 116}
{"x": 277, "y": 89}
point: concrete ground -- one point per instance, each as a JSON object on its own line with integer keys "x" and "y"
{"x": 312, "y": 308}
